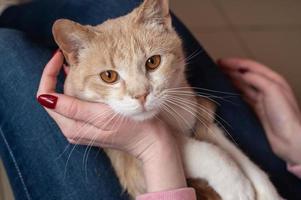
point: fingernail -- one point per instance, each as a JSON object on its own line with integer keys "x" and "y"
{"x": 242, "y": 70}
{"x": 47, "y": 100}
{"x": 219, "y": 61}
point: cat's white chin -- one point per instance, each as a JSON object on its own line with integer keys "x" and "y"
{"x": 142, "y": 116}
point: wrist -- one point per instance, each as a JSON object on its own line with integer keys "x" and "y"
{"x": 290, "y": 151}
{"x": 296, "y": 147}
{"x": 163, "y": 168}
{"x": 157, "y": 139}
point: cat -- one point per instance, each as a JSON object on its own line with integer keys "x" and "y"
{"x": 136, "y": 60}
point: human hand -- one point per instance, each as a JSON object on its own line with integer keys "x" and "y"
{"x": 82, "y": 122}
{"x": 96, "y": 124}
{"x": 273, "y": 101}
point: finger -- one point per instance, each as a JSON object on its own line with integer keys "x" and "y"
{"x": 271, "y": 86}
{"x": 80, "y": 132}
{"x": 253, "y": 66}
{"x": 247, "y": 91}
{"x": 256, "y": 88}
{"x": 254, "y": 80}
{"x": 274, "y": 139}
{"x": 76, "y": 109}
{"x": 50, "y": 73}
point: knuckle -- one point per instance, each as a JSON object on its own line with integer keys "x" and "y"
{"x": 67, "y": 132}
{"x": 281, "y": 78}
{"x": 275, "y": 87}
{"x": 71, "y": 141}
{"x": 73, "y": 109}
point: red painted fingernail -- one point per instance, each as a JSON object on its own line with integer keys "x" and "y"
{"x": 47, "y": 100}
{"x": 242, "y": 70}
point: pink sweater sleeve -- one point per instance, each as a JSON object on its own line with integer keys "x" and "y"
{"x": 295, "y": 169}
{"x": 179, "y": 194}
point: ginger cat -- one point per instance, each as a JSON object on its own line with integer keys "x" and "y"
{"x": 136, "y": 65}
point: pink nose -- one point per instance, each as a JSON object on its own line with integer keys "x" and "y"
{"x": 142, "y": 97}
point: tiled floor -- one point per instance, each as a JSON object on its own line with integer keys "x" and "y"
{"x": 266, "y": 30}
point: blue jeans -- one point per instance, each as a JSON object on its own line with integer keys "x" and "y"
{"x": 31, "y": 145}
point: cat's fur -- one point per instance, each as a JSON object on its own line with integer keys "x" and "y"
{"x": 124, "y": 44}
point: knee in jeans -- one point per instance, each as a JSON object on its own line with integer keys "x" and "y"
{"x": 10, "y": 39}
{"x": 20, "y": 57}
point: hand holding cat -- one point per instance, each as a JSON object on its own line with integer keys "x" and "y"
{"x": 96, "y": 124}
{"x": 93, "y": 123}
{"x": 273, "y": 100}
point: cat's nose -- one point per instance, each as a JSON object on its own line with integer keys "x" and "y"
{"x": 142, "y": 97}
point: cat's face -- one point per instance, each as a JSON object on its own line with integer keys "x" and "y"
{"x": 128, "y": 63}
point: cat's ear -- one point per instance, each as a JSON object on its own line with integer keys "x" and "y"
{"x": 71, "y": 37}
{"x": 155, "y": 12}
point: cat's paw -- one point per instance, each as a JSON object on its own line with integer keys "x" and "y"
{"x": 240, "y": 190}
{"x": 264, "y": 188}
{"x": 267, "y": 193}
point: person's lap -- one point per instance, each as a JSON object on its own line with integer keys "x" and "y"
{"x": 33, "y": 148}
{"x": 33, "y": 145}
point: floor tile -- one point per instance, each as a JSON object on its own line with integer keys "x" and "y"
{"x": 220, "y": 44}
{"x": 262, "y": 12}
{"x": 200, "y": 13}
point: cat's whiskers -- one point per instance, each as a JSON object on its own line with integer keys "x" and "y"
{"x": 169, "y": 112}
{"x": 197, "y": 105}
{"x": 182, "y": 93}
{"x": 198, "y": 93}
{"x": 188, "y": 58}
{"x": 82, "y": 136}
{"x": 203, "y": 89}
{"x": 113, "y": 126}
{"x": 188, "y": 92}
{"x": 114, "y": 131}
{"x": 87, "y": 123}
{"x": 72, "y": 150}
{"x": 187, "y": 109}
{"x": 90, "y": 145}
{"x": 172, "y": 110}
{"x": 186, "y": 102}
{"x": 185, "y": 123}
{"x": 123, "y": 118}
{"x": 202, "y": 94}
{"x": 191, "y": 94}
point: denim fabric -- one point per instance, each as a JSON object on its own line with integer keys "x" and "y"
{"x": 32, "y": 147}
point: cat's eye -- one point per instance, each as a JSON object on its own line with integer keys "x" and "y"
{"x": 109, "y": 76}
{"x": 153, "y": 62}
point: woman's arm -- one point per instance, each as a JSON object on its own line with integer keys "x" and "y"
{"x": 151, "y": 141}
{"x": 273, "y": 100}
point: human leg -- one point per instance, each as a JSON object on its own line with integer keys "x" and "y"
{"x": 31, "y": 145}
